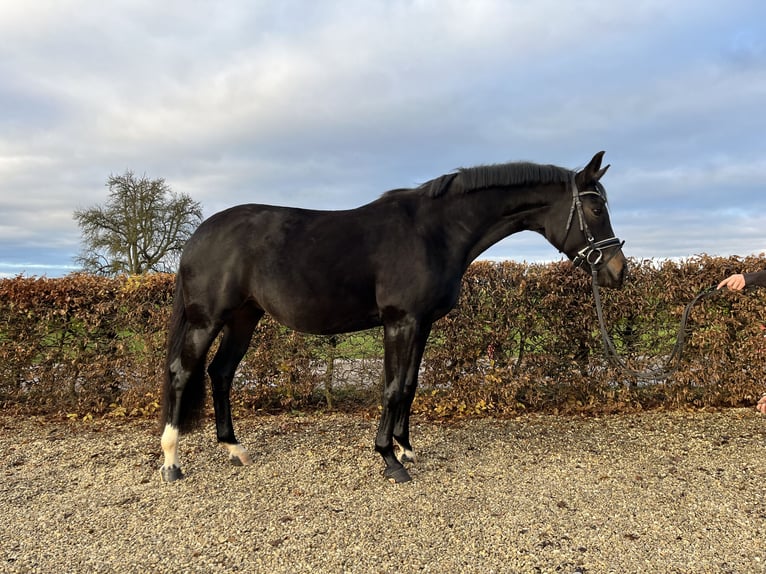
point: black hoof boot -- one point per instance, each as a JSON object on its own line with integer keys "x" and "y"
{"x": 397, "y": 475}
{"x": 171, "y": 473}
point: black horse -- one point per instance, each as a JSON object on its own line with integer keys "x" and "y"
{"x": 396, "y": 262}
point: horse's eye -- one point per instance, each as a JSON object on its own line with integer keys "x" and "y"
{"x": 598, "y": 211}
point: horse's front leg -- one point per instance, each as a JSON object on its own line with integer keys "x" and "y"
{"x": 234, "y": 344}
{"x": 404, "y": 342}
{"x": 402, "y": 420}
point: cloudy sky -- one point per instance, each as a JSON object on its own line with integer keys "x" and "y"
{"x": 327, "y": 104}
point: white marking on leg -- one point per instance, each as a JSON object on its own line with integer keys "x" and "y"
{"x": 406, "y": 455}
{"x": 237, "y": 451}
{"x": 169, "y": 444}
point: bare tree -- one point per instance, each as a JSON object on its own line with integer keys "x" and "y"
{"x": 142, "y": 227}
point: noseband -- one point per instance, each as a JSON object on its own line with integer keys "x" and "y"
{"x": 593, "y": 252}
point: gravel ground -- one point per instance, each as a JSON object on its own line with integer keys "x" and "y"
{"x": 656, "y": 492}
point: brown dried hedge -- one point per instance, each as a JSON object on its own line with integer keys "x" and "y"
{"x": 523, "y": 338}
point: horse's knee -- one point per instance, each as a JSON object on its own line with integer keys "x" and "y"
{"x": 392, "y": 395}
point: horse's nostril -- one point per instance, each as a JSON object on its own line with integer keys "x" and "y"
{"x": 613, "y": 274}
{"x": 623, "y": 275}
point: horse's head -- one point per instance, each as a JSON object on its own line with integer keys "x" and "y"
{"x": 579, "y": 226}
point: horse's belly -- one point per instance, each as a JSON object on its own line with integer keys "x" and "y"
{"x": 327, "y": 324}
{"x": 323, "y": 316}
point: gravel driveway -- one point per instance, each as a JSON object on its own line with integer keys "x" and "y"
{"x": 657, "y": 492}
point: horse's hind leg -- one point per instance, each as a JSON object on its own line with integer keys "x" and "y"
{"x": 234, "y": 343}
{"x": 184, "y": 395}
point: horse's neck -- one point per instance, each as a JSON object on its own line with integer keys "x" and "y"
{"x": 489, "y": 216}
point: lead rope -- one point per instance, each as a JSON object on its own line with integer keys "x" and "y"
{"x": 673, "y": 361}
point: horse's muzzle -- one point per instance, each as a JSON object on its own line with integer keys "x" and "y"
{"x": 613, "y": 271}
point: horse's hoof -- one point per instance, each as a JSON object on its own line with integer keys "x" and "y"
{"x": 171, "y": 473}
{"x": 237, "y": 454}
{"x": 240, "y": 459}
{"x": 397, "y": 475}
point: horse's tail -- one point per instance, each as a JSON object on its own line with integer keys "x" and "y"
{"x": 186, "y": 415}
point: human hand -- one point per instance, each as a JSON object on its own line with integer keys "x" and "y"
{"x": 761, "y": 406}
{"x": 734, "y": 282}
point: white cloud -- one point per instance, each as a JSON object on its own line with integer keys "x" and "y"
{"x": 328, "y": 104}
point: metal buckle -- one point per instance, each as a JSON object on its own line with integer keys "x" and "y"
{"x": 599, "y": 256}
{"x": 586, "y": 254}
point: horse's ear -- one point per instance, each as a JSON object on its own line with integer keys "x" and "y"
{"x": 595, "y": 163}
{"x": 592, "y": 171}
{"x": 600, "y": 173}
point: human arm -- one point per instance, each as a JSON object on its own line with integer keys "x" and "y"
{"x": 757, "y": 278}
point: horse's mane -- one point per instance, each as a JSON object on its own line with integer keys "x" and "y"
{"x": 468, "y": 179}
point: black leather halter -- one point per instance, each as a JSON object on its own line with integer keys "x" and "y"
{"x": 593, "y": 252}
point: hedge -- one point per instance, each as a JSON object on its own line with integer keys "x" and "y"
{"x": 523, "y": 337}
